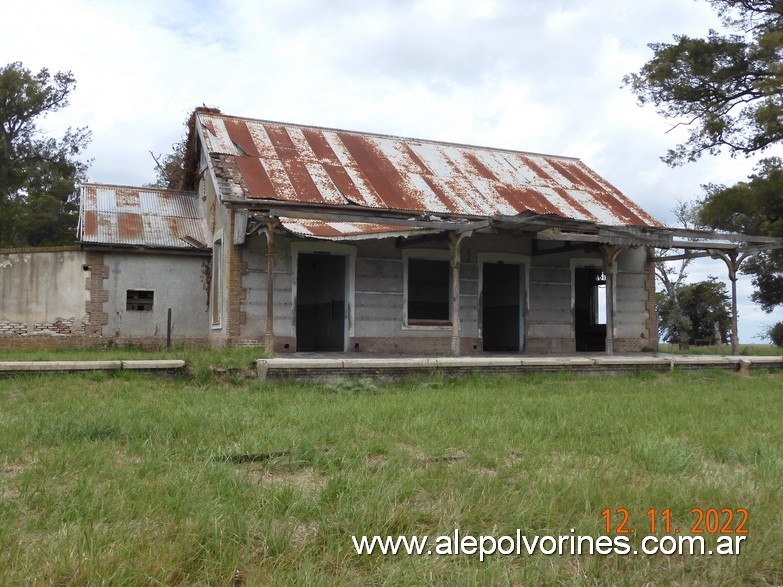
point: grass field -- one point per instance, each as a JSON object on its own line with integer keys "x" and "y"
{"x": 128, "y": 479}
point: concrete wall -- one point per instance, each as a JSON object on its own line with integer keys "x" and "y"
{"x": 179, "y": 282}
{"x": 42, "y": 292}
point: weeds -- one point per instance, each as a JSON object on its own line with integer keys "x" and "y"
{"x": 214, "y": 480}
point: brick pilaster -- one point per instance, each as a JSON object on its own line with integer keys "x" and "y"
{"x": 236, "y": 269}
{"x": 99, "y": 272}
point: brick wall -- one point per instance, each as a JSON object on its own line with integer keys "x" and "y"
{"x": 97, "y": 318}
{"x": 235, "y": 294}
{"x": 550, "y": 345}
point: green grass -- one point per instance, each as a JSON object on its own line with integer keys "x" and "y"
{"x": 129, "y": 479}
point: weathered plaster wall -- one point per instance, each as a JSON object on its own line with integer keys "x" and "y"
{"x": 632, "y": 313}
{"x": 378, "y": 303}
{"x": 179, "y": 282}
{"x": 42, "y": 292}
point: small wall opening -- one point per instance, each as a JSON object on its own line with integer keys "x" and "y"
{"x": 589, "y": 319}
{"x": 139, "y": 300}
{"x": 320, "y": 302}
{"x": 500, "y": 306}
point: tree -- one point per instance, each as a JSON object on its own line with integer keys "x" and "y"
{"x": 672, "y": 278}
{"x": 753, "y": 207}
{"x": 775, "y": 334}
{"x": 707, "y": 307}
{"x": 170, "y": 168}
{"x": 726, "y": 88}
{"x": 177, "y": 170}
{"x": 38, "y": 174}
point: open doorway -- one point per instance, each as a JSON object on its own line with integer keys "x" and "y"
{"x": 501, "y": 323}
{"x": 320, "y": 302}
{"x": 589, "y": 309}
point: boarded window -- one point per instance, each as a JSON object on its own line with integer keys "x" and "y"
{"x": 428, "y": 290}
{"x": 138, "y": 300}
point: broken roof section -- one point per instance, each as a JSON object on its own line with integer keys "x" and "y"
{"x": 339, "y": 230}
{"x": 258, "y": 160}
{"x": 142, "y": 217}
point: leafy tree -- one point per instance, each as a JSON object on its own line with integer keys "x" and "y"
{"x": 726, "y": 88}
{"x": 753, "y": 207}
{"x": 170, "y": 168}
{"x": 177, "y": 170}
{"x": 671, "y": 279}
{"x": 775, "y": 334}
{"x": 707, "y": 307}
{"x": 38, "y": 174}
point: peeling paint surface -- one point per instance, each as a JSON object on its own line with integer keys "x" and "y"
{"x": 275, "y": 161}
{"x": 344, "y": 230}
{"x": 116, "y": 215}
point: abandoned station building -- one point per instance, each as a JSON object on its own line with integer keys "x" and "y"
{"x": 298, "y": 238}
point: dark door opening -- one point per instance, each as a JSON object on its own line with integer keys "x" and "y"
{"x": 500, "y": 306}
{"x": 320, "y": 302}
{"x": 590, "y": 333}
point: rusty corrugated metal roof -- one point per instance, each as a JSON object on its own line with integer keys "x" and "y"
{"x": 334, "y": 230}
{"x": 257, "y": 159}
{"x": 121, "y": 215}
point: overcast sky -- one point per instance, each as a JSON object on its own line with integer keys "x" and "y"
{"x": 531, "y": 75}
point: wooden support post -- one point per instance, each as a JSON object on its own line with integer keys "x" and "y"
{"x": 610, "y": 254}
{"x": 733, "y": 261}
{"x": 269, "y": 335}
{"x": 455, "y": 240}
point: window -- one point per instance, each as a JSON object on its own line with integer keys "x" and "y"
{"x": 428, "y": 291}
{"x": 138, "y": 300}
{"x": 216, "y": 287}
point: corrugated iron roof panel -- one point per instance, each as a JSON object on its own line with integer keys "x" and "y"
{"x": 120, "y": 215}
{"x": 326, "y": 166}
{"x": 335, "y": 230}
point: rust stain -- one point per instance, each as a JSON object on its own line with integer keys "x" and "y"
{"x": 127, "y": 198}
{"x": 536, "y": 168}
{"x": 320, "y": 146}
{"x": 332, "y": 166}
{"x": 259, "y": 185}
{"x": 447, "y": 202}
{"x": 480, "y": 168}
{"x": 130, "y": 226}
{"x": 564, "y": 171}
{"x": 380, "y": 173}
{"x": 574, "y": 204}
{"x": 421, "y": 176}
{"x": 527, "y": 200}
{"x": 423, "y": 169}
{"x": 344, "y": 183}
{"x": 90, "y": 224}
{"x": 207, "y": 123}
{"x": 240, "y": 135}
{"x": 295, "y": 168}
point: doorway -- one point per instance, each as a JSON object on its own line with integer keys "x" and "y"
{"x": 500, "y": 306}
{"x": 320, "y": 302}
{"x": 589, "y": 324}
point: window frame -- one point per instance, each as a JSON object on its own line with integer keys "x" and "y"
{"x": 424, "y": 255}
{"x": 216, "y": 285}
{"x": 139, "y": 301}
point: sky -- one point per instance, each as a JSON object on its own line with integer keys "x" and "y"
{"x": 541, "y": 76}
